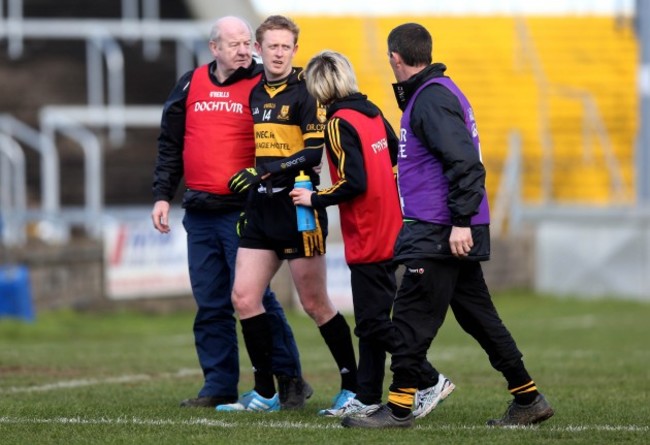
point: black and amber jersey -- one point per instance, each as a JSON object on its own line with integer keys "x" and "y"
{"x": 289, "y": 125}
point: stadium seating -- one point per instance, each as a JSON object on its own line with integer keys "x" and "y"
{"x": 567, "y": 84}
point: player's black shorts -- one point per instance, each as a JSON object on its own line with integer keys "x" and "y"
{"x": 271, "y": 224}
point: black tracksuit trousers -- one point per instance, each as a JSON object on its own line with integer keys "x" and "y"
{"x": 428, "y": 289}
{"x": 373, "y": 292}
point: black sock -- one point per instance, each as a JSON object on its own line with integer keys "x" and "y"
{"x": 257, "y": 336}
{"x": 336, "y": 334}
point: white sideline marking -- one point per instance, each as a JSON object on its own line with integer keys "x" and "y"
{"x": 90, "y": 382}
{"x": 246, "y": 423}
{"x": 164, "y": 422}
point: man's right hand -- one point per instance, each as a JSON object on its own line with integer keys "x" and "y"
{"x": 244, "y": 179}
{"x": 160, "y": 216}
{"x": 460, "y": 241}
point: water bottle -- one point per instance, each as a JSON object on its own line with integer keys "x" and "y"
{"x": 305, "y": 215}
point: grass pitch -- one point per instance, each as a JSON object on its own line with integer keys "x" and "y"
{"x": 80, "y": 378}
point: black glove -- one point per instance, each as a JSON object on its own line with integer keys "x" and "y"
{"x": 244, "y": 179}
{"x": 241, "y": 223}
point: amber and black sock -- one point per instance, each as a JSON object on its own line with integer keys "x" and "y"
{"x": 521, "y": 384}
{"x": 400, "y": 401}
{"x": 524, "y": 394}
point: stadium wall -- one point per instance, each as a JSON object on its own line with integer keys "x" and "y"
{"x": 74, "y": 277}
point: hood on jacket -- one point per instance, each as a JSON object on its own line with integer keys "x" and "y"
{"x": 358, "y": 102}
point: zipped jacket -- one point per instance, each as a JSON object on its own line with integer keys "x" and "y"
{"x": 440, "y": 174}
{"x": 206, "y": 136}
{"x": 361, "y": 148}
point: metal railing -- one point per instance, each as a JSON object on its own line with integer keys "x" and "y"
{"x": 15, "y": 21}
{"x": 99, "y": 48}
{"x": 505, "y": 213}
{"x": 13, "y": 192}
{"x": 592, "y": 122}
{"x": 73, "y": 122}
{"x": 32, "y": 138}
{"x": 105, "y": 71}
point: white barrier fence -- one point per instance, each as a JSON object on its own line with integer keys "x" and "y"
{"x": 142, "y": 263}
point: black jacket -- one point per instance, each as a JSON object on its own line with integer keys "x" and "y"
{"x": 168, "y": 171}
{"x": 352, "y": 162}
{"x": 437, "y": 119}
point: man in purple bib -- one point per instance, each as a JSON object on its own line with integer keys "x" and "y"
{"x": 444, "y": 237}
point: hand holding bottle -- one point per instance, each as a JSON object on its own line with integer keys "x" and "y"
{"x": 301, "y": 196}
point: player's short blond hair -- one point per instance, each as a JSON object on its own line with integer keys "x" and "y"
{"x": 329, "y": 76}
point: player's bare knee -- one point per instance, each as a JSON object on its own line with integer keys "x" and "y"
{"x": 240, "y": 302}
{"x": 312, "y": 309}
